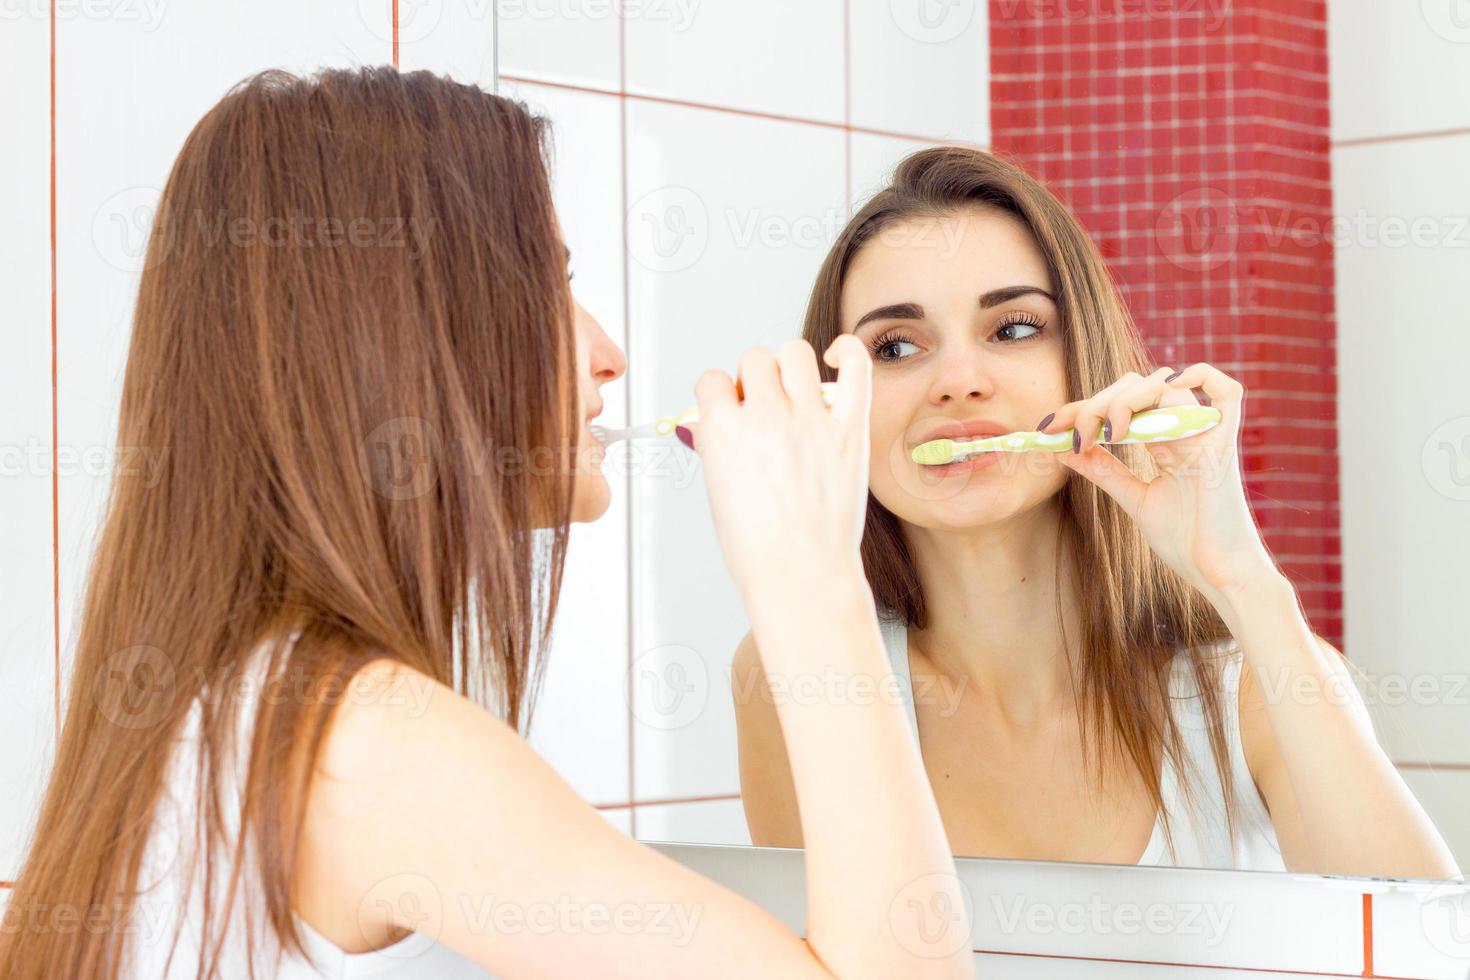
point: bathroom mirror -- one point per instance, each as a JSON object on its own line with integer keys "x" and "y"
{"x": 1275, "y": 192}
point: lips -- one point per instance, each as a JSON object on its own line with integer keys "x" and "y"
{"x": 973, "y": 429}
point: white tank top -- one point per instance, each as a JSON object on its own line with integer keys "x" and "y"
{"x": 1200, "y": 834}
{"x": 167, "y": 862}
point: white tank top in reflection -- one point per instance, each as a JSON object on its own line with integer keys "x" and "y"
{"x": 169, "y": 864}
{"x": 1200, "y": 836}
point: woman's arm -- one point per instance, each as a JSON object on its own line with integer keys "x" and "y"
{"x": 442, "y": 820}
{"x": 1338, "y": 804}
{"x": 766, "y": 788}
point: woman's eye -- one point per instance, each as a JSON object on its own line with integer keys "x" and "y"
{"x": 1021, "y": 326}
{"x": 884, "y": 350}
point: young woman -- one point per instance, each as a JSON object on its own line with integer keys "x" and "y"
{"x": 356, "y": 342}
{"x": 1099, "y": 658}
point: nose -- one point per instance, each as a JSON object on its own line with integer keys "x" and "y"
{"x": 608, "y": 360}
{"x": 962, "y": 377}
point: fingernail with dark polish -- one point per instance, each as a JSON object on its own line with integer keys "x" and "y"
{"x": 685, "y": 436}
{"x": 1172, "y": 376}
{"x": 1107, "y": 435}
{"x": 1046, "y": 421}
{"x": 1076, "y": 441}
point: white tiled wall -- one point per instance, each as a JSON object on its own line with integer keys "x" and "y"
{"x": 1401, "y": 128}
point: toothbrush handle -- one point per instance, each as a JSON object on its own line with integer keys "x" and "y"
{"x": 1150, "y": 425}
{"x": 667, "y": 424}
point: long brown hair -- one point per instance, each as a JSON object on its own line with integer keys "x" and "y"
{"x": 1135, "y": 610}
{"x": 354, "y": 292}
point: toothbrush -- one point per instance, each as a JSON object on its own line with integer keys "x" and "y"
{"x": 666, "y": 425}
{"x": 1152, "y": 425}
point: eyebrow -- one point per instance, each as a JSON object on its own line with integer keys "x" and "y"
{"x": 913, "y": 311}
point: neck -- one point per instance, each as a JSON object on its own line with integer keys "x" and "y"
{"x": 992, "y": 595}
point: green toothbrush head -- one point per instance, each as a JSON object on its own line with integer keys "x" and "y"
{"x": 935, "y": 453}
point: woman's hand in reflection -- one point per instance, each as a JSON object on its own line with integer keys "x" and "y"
{"x": 787, "y": 477}
{"x": 1194, "y": 514}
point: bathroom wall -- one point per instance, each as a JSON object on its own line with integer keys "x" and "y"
{"x": 119, "y": 84}
{"x": 1400, "y": 154}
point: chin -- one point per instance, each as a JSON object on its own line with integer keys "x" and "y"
{"x": 591, "y": 498}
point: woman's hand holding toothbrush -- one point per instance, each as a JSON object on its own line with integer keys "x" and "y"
{"x": 1194, "y": 514}
{"x": 788, "y": 484}
{"x": 787, "y": 476}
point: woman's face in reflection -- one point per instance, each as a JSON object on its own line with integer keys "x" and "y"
{"x": 599, "y": 361}
{"x": 959, "y": 316}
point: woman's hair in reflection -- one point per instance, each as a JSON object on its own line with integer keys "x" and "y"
{"x": 324, "y": 404}
{"x": 1135, "y": 610}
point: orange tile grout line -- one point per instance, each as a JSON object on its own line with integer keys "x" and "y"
{"x": 1368, "y": 935}
{"x": 622, "y": 93}
{"x": 667, "y": 801}
{"x": 1400, "y": 137}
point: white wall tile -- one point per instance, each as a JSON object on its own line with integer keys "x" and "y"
{"x": 1405, "y": 450}
{"x": 26, "y": 643}
{"x": 448, "y": 37}
{"x": 1398, "y": 67}
{"x": 568, "y": 43}
{"x": 922, "y": 68}
{"x": 729, "y": 218}
{"x": 762, "y": 55}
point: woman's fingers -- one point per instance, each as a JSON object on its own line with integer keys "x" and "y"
{"x": 799, "y": 377}
{"x": 854, "y": 379}
{"x": 1225, "y": 393}
{"x": 715, "y": 395}
{"x": 1138, "y": 396}
{"x": 760, "y": 377}
{"x": 1086, "y": 415}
